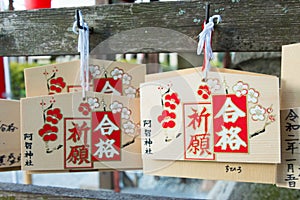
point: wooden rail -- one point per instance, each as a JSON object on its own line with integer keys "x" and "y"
{"x": 23, "y": 192}
{"x": 252, "y": 25}
{"x": 248, "y": 26}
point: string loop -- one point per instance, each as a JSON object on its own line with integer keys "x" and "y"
{"x": 204, "y": 43}
{"x": 83, "y": 49}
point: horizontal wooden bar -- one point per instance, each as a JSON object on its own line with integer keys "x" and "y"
{"x": 252, "y": 25}
{"x": 20, "y": 191}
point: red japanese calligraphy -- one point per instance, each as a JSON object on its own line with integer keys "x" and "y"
{"x": 106, "y": 136}
{"x": 108, "y": 86}
{"x": 77, "y": 131}
{"x": 77, "y": 143}
{"x": 230, "y": 123}
{"x": 106, "y": 126}
{"x": 106, "y": 149}
{"x": 197, "y": 131}
{"x": 231, "y": 138}
{"x": 78, "y": 155}
{"x": 196, "y": 119}
{"x": 199, "y": 144}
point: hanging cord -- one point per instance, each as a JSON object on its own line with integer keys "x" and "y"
{"x": 205, "y": 43}
{"x": 83, "y": 49}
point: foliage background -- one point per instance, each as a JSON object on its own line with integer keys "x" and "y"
{"x": 17, "y": 78}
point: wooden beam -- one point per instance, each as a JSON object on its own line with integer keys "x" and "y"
{"x": 27, "y": 178}
{"x": 106, "y": 180}
{"x": 20, "y": 191}
{"x": 99, "y": 2}
{"x": 252, "y": 25}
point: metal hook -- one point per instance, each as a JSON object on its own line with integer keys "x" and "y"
{"x": 211, "y": 19}
{"x": 79, "y": 19}
{"x": 207, "y": 7}
{"x": 78, "y": 14}
{"x": 218, "y": 17}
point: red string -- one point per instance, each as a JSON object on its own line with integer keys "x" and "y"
{"x": 2, "y": 79}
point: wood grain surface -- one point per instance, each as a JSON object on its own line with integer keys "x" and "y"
{"x": 252, "y": 25}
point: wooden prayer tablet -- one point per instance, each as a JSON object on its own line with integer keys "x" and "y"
{"x": 107, "y": 77}
{"x": 231, "y": 117}
{"x": 226, "y": 128}
{"x": 10, "y": 147}
{"x": 65, "y": 132}
{"x": 289, "y": 169}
